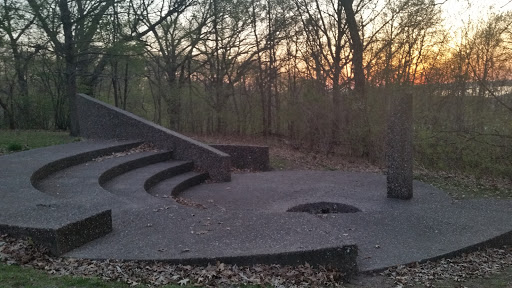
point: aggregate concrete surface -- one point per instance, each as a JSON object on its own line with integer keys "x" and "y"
{"x": 387, "y": 231}
{"x": 246, "y": 218}
{"x": 22, "y": 204}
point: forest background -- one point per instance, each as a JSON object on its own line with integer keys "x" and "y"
{"x": 316, "y": 74}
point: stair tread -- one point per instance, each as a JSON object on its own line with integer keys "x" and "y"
{"x": 133, "y": 180}
{"x": 164, "y": 188}
{"x": 62, "y": 183}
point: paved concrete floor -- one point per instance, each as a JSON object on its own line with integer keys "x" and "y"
{"x": 247, "y": 218}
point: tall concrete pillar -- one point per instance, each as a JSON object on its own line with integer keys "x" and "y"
{"x": 399, "y": 154}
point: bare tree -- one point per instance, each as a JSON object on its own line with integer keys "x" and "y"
{"x": 171, "y": 49}
{"x": 227, "y": 54}
{"x": 326, "y": 33}
{"x": 78, "y": 23}
{"x": 270, "y": 21}
{"x": 14, "y": 25}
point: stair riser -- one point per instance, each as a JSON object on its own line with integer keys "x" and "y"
{"x": 132, "y": 165}
{"x": 166, "y": 174}
{"x": 190, "y": 182}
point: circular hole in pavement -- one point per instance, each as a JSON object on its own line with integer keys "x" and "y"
{"x": 324, "y": 208}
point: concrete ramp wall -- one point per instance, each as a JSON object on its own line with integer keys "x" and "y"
{"x": 98, "y": 120}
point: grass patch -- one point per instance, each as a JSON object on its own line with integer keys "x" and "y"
{"x": 13, "y": 147}
{"x": 17, "y": 140}
{"x": 12, "y": 276}
{"x": 15, "y": 276}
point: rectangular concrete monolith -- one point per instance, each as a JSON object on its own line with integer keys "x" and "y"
{"x": 399, "y": 155}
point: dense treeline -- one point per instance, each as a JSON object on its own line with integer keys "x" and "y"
{"x": 318, "y": 73}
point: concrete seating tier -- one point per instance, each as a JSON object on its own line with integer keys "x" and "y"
{"x": 81, "y": 196}
{"x": 136, "y": 207}
{"x": 28, "y": 212}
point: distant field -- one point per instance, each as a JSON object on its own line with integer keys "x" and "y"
{"x": 17, "y": 140}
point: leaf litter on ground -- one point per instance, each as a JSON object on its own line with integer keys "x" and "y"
{"x": 26, "y": 253}
{"x": 482, "y": 263}
{"x": 144, "y": 147}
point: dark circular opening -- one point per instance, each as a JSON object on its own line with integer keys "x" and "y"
{"x": 324, "y": 208}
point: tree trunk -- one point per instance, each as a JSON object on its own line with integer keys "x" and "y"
{"x": 125, "y": 88}
{"x": 359, "y": 77}
{"x": 9, "y": 114}
{"x": 338, "y": 108}
{"x": 357, "y": 48}
{"x": 70, "y": 72}
{"x": 115, "y": 83}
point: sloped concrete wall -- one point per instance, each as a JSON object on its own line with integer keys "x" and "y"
{"x": 98, "y": 120}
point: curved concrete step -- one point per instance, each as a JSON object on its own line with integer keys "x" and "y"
{"x": 134, "y": 164}
{"x": 168, "y": 173}
{"x": 172, "y": 187}
{"x": 83, "y": 180}
{"x": 132, "y": 183}
{"x": 26, "y": 212}
{"x": 77, "y": 159}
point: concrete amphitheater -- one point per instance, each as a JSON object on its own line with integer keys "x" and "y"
{"x": 108, "y": 197}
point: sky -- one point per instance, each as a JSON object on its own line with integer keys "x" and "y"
{"x": 458, "y": 12}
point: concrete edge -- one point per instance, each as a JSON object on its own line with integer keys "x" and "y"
{"x": 127, "y": 166}
{"x": 499, "y": 241}
{"x": 166, "y": 174}
{"x": 343, "y": 258}
{"x": 187, "y": 183}
{"x": 67, "y": 237}
{"x": 76, "y": 159}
